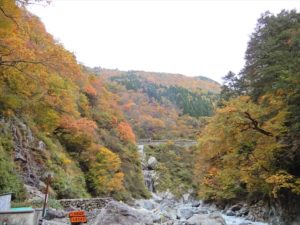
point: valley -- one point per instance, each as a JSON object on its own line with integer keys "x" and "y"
{"x": 152, "y": 148}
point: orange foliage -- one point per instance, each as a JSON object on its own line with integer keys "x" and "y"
{"x": 126, "y": 133}
{"x": 128, "y": 105}
{"x": 89, "y": 89}
{"x": 82, "y": 125}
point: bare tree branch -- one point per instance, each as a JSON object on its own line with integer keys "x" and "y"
{"x": 15, "y": 62}
{"x": 255, "y": 125}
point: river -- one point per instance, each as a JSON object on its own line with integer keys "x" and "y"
{"x": 158, "y": 203}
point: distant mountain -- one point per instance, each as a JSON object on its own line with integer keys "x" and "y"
{"x": 162, "y": 105}
{"x": 203, "y": 78}
{"x": 200, "y": 83}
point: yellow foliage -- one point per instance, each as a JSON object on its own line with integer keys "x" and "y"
{"x": 105, "y": 174}
{"x": 283, "y": 180}
{"x": 240, "y": 138}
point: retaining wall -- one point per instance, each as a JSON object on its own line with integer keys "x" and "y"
{"x": 86, "y": 204}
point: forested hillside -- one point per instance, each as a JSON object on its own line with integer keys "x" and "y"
{"x": 47, "y": 98}
{"x": 62, "y": 117}
{"x": 250, "y": 147}
{"x": 161, "y": 105}
{"x": 82, "y": 124}
{"x": 200, "y": 84}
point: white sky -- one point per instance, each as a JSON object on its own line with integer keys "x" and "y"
{"x": 189, "y": 37}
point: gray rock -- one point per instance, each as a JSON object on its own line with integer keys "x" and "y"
{"x": 185, "y": 197}
{"x": 156, "y": 198}
{"x": 206, "y": 219}
{"x": 196, "y": 203}
{"x": 185, "y": 213}
{"x": 116, "y": 213}
{"x": 156, "y": 218}
{"x": 146, "y": 204}
{"x": 201, "y": 210}
{"x": 53, "y": 214}
{"x": 217, "y": 216}
{"x": 170, "y": 213}
{"x": 243, "y": 211}
{"x": 169, "y": 222}
{"x": 47, "y": 222}
{"x": 236, "y": 207}
{"x": 230, "y": 213}
{"x": 152, "y": 163}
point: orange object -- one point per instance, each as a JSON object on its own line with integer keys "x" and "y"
{"x": 77, "y": 213}
{"x": 80, "y": 219}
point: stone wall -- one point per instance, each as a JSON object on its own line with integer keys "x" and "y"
{"x": 28, "y": 217}
{"x": 86, "y": 204}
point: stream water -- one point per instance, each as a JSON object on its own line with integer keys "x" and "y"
{"x": 177, "y": 206}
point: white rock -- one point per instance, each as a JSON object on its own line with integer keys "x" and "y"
{"x": 152, "y": 163}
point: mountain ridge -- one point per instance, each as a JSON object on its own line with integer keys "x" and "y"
{"x": 168, "y": 79}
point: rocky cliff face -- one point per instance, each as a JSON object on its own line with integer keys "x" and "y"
{"x": 285, "y": 211}
{"x": 27, "y": 154}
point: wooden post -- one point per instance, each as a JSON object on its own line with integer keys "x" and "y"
{"x": 46, "y": 196}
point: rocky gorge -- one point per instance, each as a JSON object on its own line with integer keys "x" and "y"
{"x": 162, "y": 208}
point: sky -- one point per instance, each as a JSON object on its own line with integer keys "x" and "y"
{"x": 197, "y": 37}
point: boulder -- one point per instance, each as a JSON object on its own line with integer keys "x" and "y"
{"x": 152, "y": 163}
{"x": 206, "y": 219}
{"x": 236, "y": 207}
{"x": 53, "y": 214}
{"x": 230, "y": 213}
{"x": 156, "y": 198}
{"x": 146, "y": 204}
{"x": 156, "y": 217}
{"x": 116, "y": 213}
{"x": 196, "y": 203}
{"x": 238, "y": 210}
{"x": 201, "y": 210}
{"x": 170, "y": 213}
{"x": 243, "y": 211}
{"x": 185, "y": 213}
{"x": 218, "y": 217}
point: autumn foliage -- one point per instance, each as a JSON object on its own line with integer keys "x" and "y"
{"x": 250, "y": 146}
{"x": 66, "y": 105}
{"x": 126, "y": 133}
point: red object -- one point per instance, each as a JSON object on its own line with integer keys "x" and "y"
{"x": 77, "y": 217}
{"x": 80, "y": 219}
{"x": 77, "y": 213}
